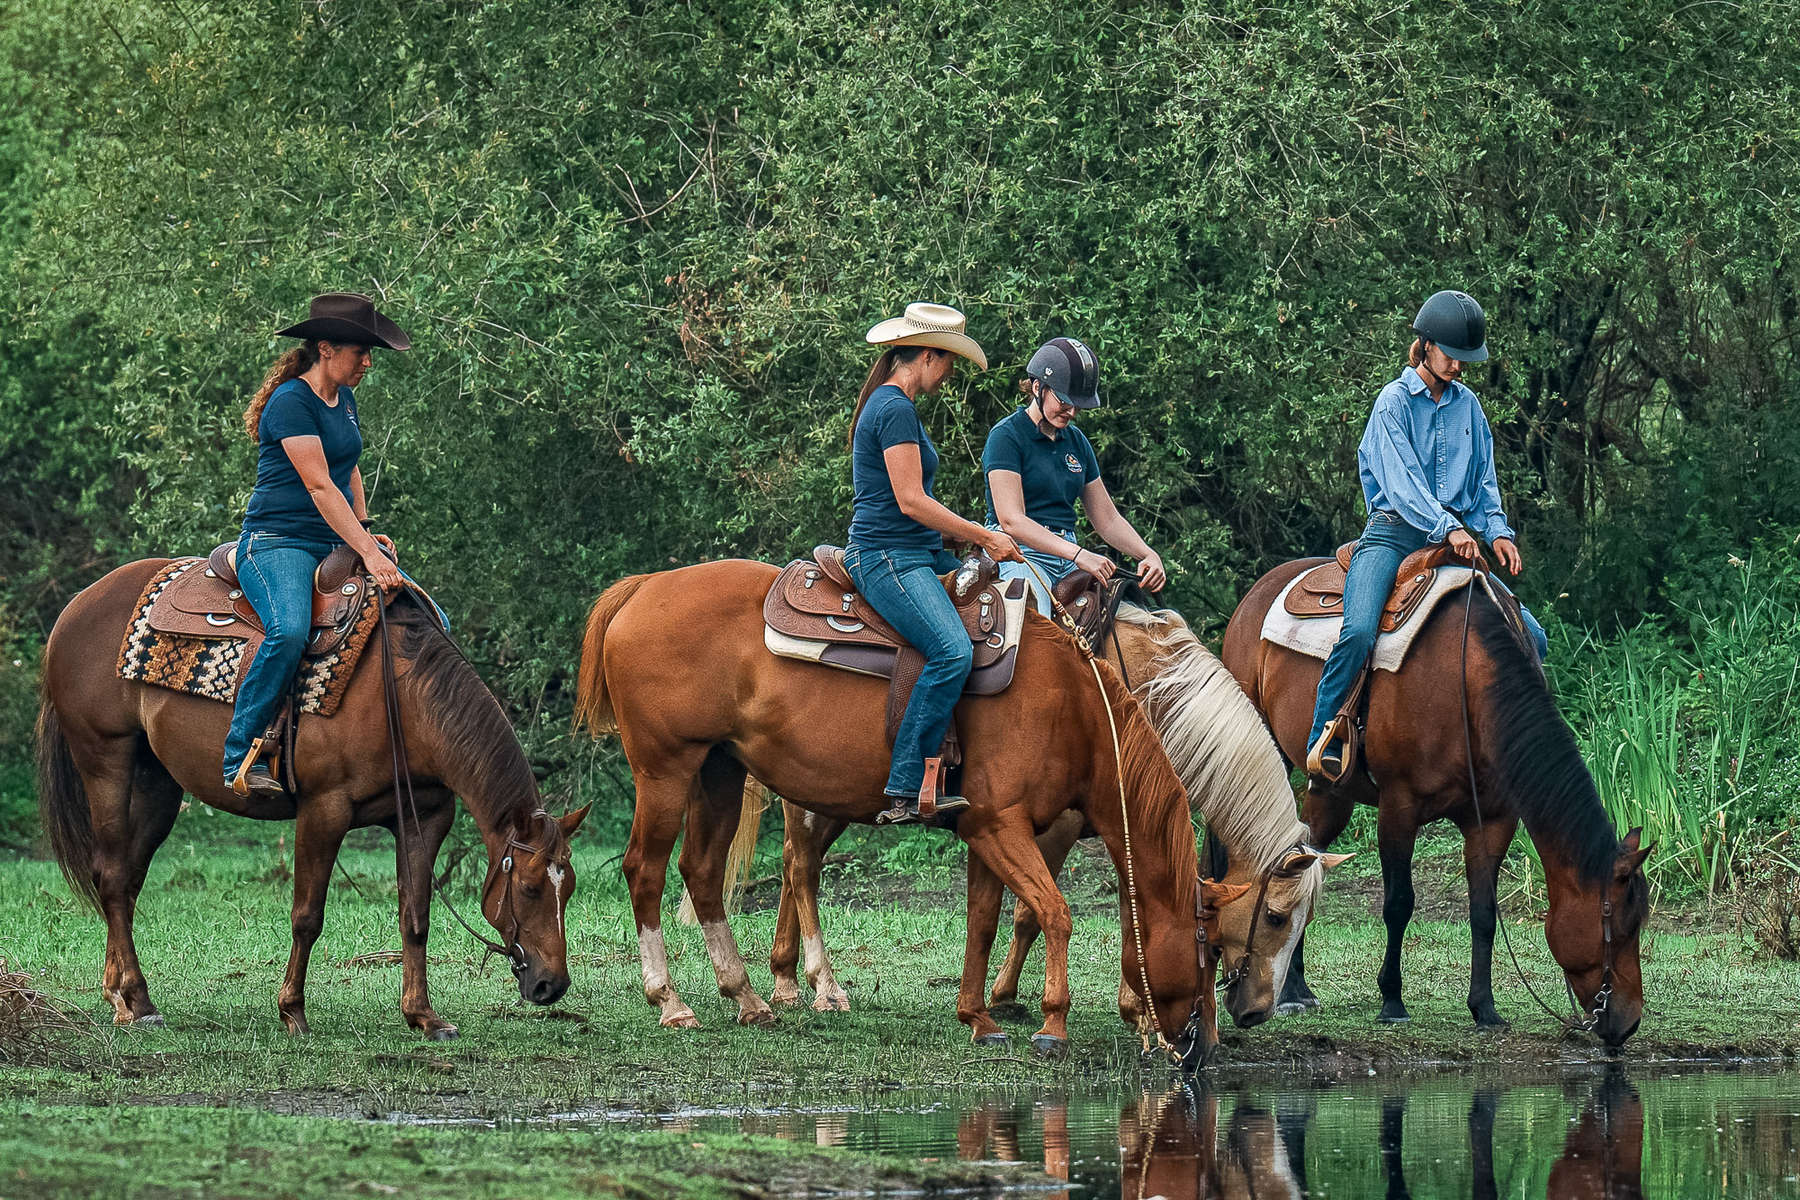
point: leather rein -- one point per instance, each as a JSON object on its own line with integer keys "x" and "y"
{"x": 1603, "y": 997}
{"x": 511, "y": 950}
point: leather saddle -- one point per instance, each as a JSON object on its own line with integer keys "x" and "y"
{"x": 1092, "y": 604}
{"x": 1320, "y": 592}
{"x": 814, "y": 613}
{"x": 207, "y": 602}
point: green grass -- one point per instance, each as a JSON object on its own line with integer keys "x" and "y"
{"x": 212, "y": 932}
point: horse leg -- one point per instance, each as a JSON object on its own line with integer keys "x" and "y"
{"x": 1055, "y": 843}
{"x": 713, "y": 816}
{"x": 1325, "y": 813}
{"x": 436, "y": 813}
{"x": 133, "y": 805}
{"x": 661, "y": 803}
{"x": 1010, "y": 851}
{"x": 1484, "y": 847}
{"x": 978, "y": 943}
{"x": 319, "y": 829}
{"x": 806, "y": 838}
{"x": 1396, "y": 835}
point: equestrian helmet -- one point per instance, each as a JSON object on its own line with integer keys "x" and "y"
{"x": 1455, "y": 324}
{"x": 1068, "y": 368}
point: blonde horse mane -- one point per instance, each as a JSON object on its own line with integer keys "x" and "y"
{"x": 1217, "y": 742}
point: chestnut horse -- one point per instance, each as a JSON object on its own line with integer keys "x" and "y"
{"x": 1235, "y": 779}
{"x": 675, "y": 663}
{"x": 1527, "y": 767}
{"x": 114, "y": 757}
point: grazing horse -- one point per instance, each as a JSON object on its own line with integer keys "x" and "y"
{"x": 114, "y": 757}
{"x": 675, "y": 663}
{"x": 1235, "y": 780}
{"x": 1527, "y": 766}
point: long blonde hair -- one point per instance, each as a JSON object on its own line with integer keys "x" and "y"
{"x": 291, "y": 365}
{"x": 884, "y": 366}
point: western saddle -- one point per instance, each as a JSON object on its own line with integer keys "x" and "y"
{"x": 815, "y": 613}
{"x": 207, "y": 602}
{"x": 1320, "y": 592}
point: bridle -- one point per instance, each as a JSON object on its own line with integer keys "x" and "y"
{"x": 1603, "y": 998}
{"x": 511, "y": 950}
{"x": 1273, "y": 871}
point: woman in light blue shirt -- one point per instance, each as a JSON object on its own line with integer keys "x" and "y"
{"x": 1427, "y": 467}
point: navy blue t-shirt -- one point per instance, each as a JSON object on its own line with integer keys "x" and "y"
{"x": 280, "y": 503}
{"x": 1053, "y": 471}
{"x": 888, "y": 419}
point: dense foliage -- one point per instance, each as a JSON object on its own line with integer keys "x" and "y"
{"x": 636, "y": 245}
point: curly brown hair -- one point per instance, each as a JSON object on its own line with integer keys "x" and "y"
{"x": 291, "y": 365}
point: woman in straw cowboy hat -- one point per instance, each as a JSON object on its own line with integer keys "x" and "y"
{"x": 308, "y": 500}
{"x": 897, "y": 531}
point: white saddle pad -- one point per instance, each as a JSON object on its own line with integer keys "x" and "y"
{"x": 1315, "y": 636}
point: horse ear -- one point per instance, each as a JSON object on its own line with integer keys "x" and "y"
{"x": 1299, "y": 860}
{"x": 1631, "y": 858}
{"x": 1334, "y": 860}
{"x": 570, "y": 822}
{"x": 1220, "y": 894}
{"x": 1630, "y": 841}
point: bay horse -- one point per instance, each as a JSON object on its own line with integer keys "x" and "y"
{"x": 1526, "y": 766}
{"x": 1235, "y": 780}
{"x": 115, "y": 755}
{"x": 674, "y": 662}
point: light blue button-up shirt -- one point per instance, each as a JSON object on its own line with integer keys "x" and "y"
{"x": 1431, "y": 461}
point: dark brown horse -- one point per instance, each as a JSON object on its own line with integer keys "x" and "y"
{"x": 114, "y": 757}
{"x": 1527, "y": 767}
{"x": 675, "y": 662}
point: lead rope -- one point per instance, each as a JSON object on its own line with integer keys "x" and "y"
{"x": 1605, "y": 994}
{"x": 1131, "y": 892}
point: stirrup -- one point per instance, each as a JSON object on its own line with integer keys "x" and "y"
{"x": 241, "y": 783}
{"x": 1328, "y": 767}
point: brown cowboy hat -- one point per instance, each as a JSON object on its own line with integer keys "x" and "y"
{"x": 348, "y": 317}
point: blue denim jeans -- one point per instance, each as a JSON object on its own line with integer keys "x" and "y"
{"x": 1053, "y": 568}
{"x": 903, "y": 586}
{"x": 1385, "y": 541}
{"x": 276, "y": 575}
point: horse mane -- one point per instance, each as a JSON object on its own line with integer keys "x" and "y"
{"x": 1535, "y": 760}
{"x": 1162, "y": 809}
{"x": 476, "y": 737}
{"x": 1217, "y": 742}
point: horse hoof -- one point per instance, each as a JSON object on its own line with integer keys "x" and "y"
{"x": 443, "y": 1033}
{"x": 785, "y": 998}
{"x": 1048, "y": 1046}
{"x": 682, "y": 1020}
{"x": 832, "y": 1003}
{"x": 756, "y": 1016}
{"x": 1394, "y": 1018}
{"x": 1009, "y": 1010}
{"x": 1289, "y": 1008}
{"x": 997, "y": 1040}
{"x": 150, "y": 1021}
{"x": 1493, "y": 1024}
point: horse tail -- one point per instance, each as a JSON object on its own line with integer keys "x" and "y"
{"x": 63, "y": 803}
{"x": 737, "y": 859}
{"x": 593, "y": 707}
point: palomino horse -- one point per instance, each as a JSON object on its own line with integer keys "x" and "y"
{"x": 1528, "y": 769}
{"x": 114, "y": 757}
{"x": 1235, "y": 780}
{"x": 675, "y": 662}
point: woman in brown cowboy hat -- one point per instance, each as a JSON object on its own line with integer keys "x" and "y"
{"x": 308, "y": 500}
{"x": 897, "y": 531}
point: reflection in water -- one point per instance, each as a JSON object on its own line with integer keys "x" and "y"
{"x": 1709, "y": 1135}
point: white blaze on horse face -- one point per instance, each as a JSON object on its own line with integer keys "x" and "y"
{"x": 557, "y": 875}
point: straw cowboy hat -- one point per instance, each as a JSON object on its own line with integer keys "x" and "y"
{"x": 935, "y": 325}
{"x": 350, "y": 318}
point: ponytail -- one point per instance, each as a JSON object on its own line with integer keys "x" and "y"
{"x": 884, "y": 366}
{"x": 1415, "y": 354}
{"x": 292, "y": 365}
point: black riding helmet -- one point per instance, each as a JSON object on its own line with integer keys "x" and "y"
{"x": 1455, "y": 324}
{"x": 1068, "y": 368}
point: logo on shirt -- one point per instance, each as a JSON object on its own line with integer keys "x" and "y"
{"x": 1073, "y": 462}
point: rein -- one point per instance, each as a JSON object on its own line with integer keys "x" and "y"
{"x": 390, "y": 694}
{"x": 1131, "y": 890}
{"x": 1604, "y": 996}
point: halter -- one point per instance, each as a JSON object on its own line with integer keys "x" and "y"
{"x": 1603, "y": 997}
{"x": 512, "y": 951}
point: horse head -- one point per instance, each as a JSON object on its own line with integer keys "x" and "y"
{"x": 1258, "y": 938}
{"x": 529, "y": 881}
{"x": 1592, "y": 931}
